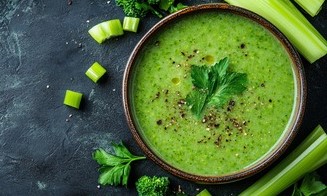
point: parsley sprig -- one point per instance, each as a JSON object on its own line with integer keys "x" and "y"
{"x": 214, "y": 85}
{"x": 311, "y": 185}
{"x": 115, "y": 168}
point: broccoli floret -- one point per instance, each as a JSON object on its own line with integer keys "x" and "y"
{"x": 132, "y": 8}
{"x": 137, "y": 8}
{"x": 152, "y": 186}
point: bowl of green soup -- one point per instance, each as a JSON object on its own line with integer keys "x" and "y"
{"x": 214, "y": 93}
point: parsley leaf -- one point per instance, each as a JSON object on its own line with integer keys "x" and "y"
{"x": 197, "y": 100}
{"x": 232, "y": 84}
{"x": 214, "y": 85}
{"x": 200, "y": 76}
{"x": 115, "y": 168}
{"x": 311, "y": 185}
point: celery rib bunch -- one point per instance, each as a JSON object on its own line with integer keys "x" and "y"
{"x": 307, "y": 157}
{"x": 291, "y": 22}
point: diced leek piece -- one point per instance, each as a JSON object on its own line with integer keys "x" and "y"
{"x": 73, "y": 99}
{"x": 98, "y": 34}
{"x": 307, "y": 157}
{"x": 312, "y": 7}
{"x": 106, "y": 30}
{"x": 95, "y": 72}
{"x": 204, "y": 192}
{"x": 291, "y": 22}
{"x": 131, "y": 24}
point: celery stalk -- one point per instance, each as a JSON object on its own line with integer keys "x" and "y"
{"x": 312, "y": 7}
{"x": 290, "y": 21}
{"x": 73, "y": 99}
{"x": 95, "y": 72}
{"x": 106, "y": 30}
{"x": 307, "y": 157}
{"x": 131, "y": 24}
{"x": 98, "y": 34}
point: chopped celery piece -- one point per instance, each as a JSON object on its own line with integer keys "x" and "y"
{"x": 98, "y": 34}
{"x": 112, "y": 28}
{"x": 131, "y": 24}
{"x": 291, "y": 22}
{"x": 312, "y": 7}
{"x": 106, "y": 30}
{"x": 95, "y": 72}
{"x": 307, "y": 157}
{"x": 204, "y": 192}
{"x": 73, "y": 99}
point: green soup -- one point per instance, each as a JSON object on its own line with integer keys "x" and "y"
{"x": 227, "y": 139}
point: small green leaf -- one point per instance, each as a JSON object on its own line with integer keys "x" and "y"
{"x": 220, "y": 68}
{"x": 200, "y": 76}
{"x": 103, "y": 158}
{"x": 221, "y": 96}
{"x": 236, "y": 82}
{"x": 115, "y": 169}
{"x": 105, "y": 176}
{"x": 196, "y": 100}
{"x": 214, "y": 86}
{"x": 165, "y": 4}
{"x": 176, "y": 8}
{"x": 296, "y": 191}
{"x": 111, "y": 175}
{"x": 204, "y": 192}
{"x": 312, "y": 185}
{"x": 127, "y": 170}
{"x": 122, "y": 151}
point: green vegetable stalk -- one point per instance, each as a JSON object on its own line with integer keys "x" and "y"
{"x": 290, "y": 21}
{"x": 312, "y": 7}
{"x": 307, "y": 157}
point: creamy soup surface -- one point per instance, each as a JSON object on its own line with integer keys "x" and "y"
{"x": 226, "y": 139}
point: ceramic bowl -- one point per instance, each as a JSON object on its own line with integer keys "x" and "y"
{"x": 282, "y": 144}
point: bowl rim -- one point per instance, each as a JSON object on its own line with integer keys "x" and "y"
{"x": 284, "y": 141}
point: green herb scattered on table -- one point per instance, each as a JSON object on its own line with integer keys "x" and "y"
{"x": 214, "y": 85}
{"x": 115, "y": 168}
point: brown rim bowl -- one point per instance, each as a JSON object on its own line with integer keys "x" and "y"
{"x": 282, "y": 144}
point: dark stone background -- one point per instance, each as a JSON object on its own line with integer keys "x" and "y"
{"x": 45, "y": 49}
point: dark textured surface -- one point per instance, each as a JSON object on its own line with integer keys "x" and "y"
{"x": 45, "y": 147}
